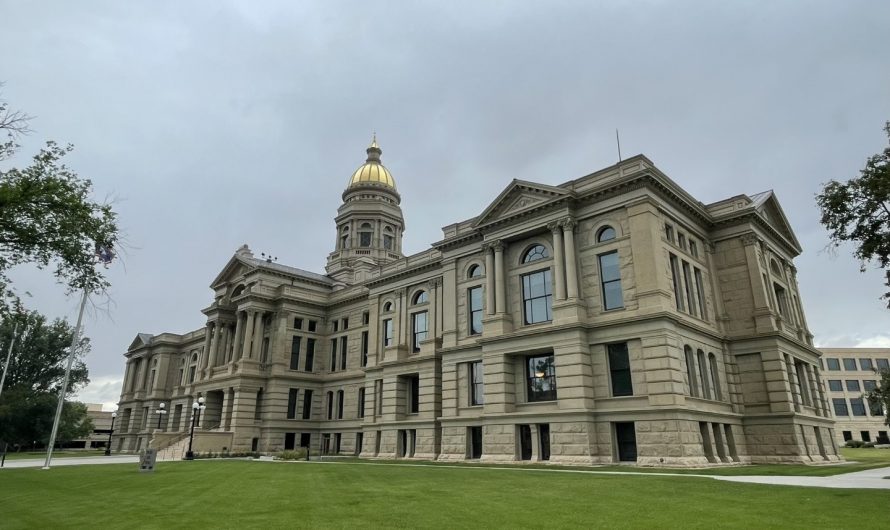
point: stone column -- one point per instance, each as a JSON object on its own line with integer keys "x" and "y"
{"x": 239, "y": 333}
{"x": 573, "y": 291}
{"x": 814, "y": 390}
{"x": 433, "y": 320}
{"x": 225, "y": 345}
{"x": 212, "y": 338}
{"x": 500, "y": 280}
{"x": 489, "y": 279}
{"x": 207, "y": 352}
{"x": 558, "y": 262}
{"x": 248, "y": 334}
{"x": 259, "y": 328}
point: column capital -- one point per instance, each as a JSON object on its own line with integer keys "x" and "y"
{"x": 435, "y": 282}
{"x": 555, "y": 226}
{"x": 568, "y": 224}
{"x": 498, "y": 245}
{"x": 750, "y": 239}
{"x": 399, "y": 293}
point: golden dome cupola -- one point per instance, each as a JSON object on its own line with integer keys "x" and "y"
{"x": 372, "y": 172}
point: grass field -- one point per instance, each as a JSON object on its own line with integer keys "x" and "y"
{"x": 227, "y": 494}
{"x": 28, "y": 455}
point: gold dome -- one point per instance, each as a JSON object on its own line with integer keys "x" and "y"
{"x": 372, "y": 171}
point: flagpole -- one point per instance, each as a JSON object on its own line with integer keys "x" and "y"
{"x": 64, "y": 389}
{"x": 15, "y": 330}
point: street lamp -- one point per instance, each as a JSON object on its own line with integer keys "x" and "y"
{"x": 110, "y": 432}
{"x": 160, "y": 412}
{"x": 197, "y": 407}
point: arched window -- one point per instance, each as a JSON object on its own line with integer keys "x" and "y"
{"x": 387, "y": 307}
{"x": 690, "y": 371}
{"x": 535, "y": 253}
{"x": 475, "y": 271}
{"x": 421, "y": 297}
{"x": 606, "y": 233}
{"x": 330, "y": 398}
{"x": 364, "y": 233}
{"x": 238, "y": 290}
{"x": 387, "y": 238}
{"x": 340, "y": 404}
{"x": 774, "y": 267}
{"x": 703, "y": 373}
{"x": 715, "y": 378}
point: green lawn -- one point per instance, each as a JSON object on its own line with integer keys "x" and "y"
{"x": 244, "y": 494}
{"x": 27, "y": 455}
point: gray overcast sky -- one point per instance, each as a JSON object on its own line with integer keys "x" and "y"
{"x": 214, "y": 124}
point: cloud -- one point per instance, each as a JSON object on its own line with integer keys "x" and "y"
{"x": 105, "y": 390}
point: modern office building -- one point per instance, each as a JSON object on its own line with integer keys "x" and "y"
{"x": 850, "y": 373}
{"x": 612, "y": 318}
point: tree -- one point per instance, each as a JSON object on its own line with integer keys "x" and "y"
{"x": 47, "y": 216}
{"x": 881, "y": 394}
{"x": 36, "y": 370}
{"x": 858, "y": 211}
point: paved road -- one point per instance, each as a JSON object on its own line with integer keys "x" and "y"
{"x": 76, "y": 461}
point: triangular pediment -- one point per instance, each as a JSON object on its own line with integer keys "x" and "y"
{"x": 770, "y": 209}
{"x": 141, "y": 340}
{"x": 517, "y": 197}
{"x": 235, "y": 268}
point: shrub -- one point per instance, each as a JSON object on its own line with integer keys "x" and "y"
{"x": 855, "y": 443}
{"x": 299, "y": 454}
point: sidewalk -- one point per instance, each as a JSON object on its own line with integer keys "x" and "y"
{"x": 76, "y": 461}
{"x": 868, "y": 479}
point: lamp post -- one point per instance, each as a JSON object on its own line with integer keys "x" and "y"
{"x": 197, "y": 407}
{"x": 110, "y": 432}
{"x": 160, "y": 412}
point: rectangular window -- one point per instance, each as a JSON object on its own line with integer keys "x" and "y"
{"x": 378, "y": 398}
{"x": 782, "y": 300}
{"x": 857, "y": 406}
{"x": 333, "y": 355}
{"x": 477, "y": 390}
{"x": 840, "y": 406}
{"x": 537, "y": 297}
{"x": 343, "y": 348}
{"x": 690, "y": 299}
{"x": 804, "y": 382}
{"x": 833, "y": 364}
{"x": 848, "y": 435}
{"x": 610, "y": 277}
{"x": 364, "y": 348}
{"x": 413, "y": 394}
{"x": 295, "y": 353}
{"x": 669, "y": 232}
{"x": 336, "y": 325}
{"x": 292, "y": 395}
{"x": 310, "y": 354}
{"x": 866, "y": 365}
{"x": 626, "y": 440}
{"x": 681, "y": 240}
{"x": 345, "y": 324}
{"x": 540, "y": 378}
{"x": 340, "y": 401}
{"x": 366, "y": 317}
{"x": 619, "y": 369}
{"x": 361, "y": 402}
{"x": 675, "y": 276}
{"x": 307, "y": 404}
{"x": 387, "y": 332}
{"x": 835, "y": 385}
{"x": 868, "y": 385}
{"x": 693, "y": 248}
{"x": 875, "y": 408}
{"x": 312, "y": 326}
{"x": 700, "y": 287}
{"x": 420, "y": 325}
{"x": 474, "y": 436}
{"x": 290, "y": 439}
{"x": 474, "y": 301}
{"x": 298, "y": 323}
{"x": 853, "y": 385}
{"x": 883, "y": 364}
{"x": 850, "y": 365}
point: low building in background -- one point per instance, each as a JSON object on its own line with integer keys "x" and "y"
{"x": 848, "y": 375}
{"x": 101, "y": 427}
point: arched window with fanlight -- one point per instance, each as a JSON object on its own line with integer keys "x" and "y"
{"x": 420, "y": 297}
{"x": 606, "y": 233}
{"x": 388, "y": 238}
{"x": 535, "y": 253}
{"x": 475, "y": 271}
{"x": 365, "y": 233}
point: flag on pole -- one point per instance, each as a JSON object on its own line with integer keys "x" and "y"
{"x": 104, "y": 254}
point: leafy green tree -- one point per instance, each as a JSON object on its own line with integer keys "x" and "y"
{"x": 47, "y": 216}
{"x": 881, "y": 394}
{"x": 34, "y": 378}
{"x": 858, "y": 211}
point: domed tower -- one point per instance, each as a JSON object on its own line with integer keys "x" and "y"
{"x": 369, "y": 222}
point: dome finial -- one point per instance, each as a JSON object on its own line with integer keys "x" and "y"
{"x": 374, "y": 150}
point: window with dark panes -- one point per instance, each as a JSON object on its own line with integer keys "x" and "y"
{"x": 330, "y": 405}
{"x": 310, "y": 354}
{"x": 307, "y": 404}
{"x": 866, "y": 365}
{"x": 333, "y": 355}
{"x": 345, "y": 324}
{"x": 413, "y": 394}
{"x": 298, "y": 323}
{"x": 340, "y": 401}
{"x": 312, "y": 325}
{"x": 420, "y": 326}
{"x": 675, "y": 276}
{"x": 387, "y": 332}
{"x": 840, "y": 406}
{"x": 883, "y": 364}
{"x": 835, "y": 385}
{"x": 364, "y": 348}
{"x": 833, "y": 364}
{"x": 295, "y": 352}
{"x": 875, "y": 408}
{"x": 292, "y": 395}
{"x": 857, "y": 406}
{"x": 537, "y": 297}
{"x": 619, "y": 369}
{"x": 540, "y": 378}
{"x": 700, "y": 294}
{"x": 868, "y": 385}
{"x": 852, "y": 385}
{"x": 366, "y": 317}
{"x": 289, "y": 440}
{"x": 361, "y": 402}
{"x": 610, "y": 278}
{"x": 477, "y": 390}
{"x": 343, "y": 349}
{"x": 850, "y": 365}
{"x": 474, "y": 299}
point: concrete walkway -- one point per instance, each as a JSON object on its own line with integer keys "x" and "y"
{"x": 75, "y": 461}
{"x": 868, "y": 479}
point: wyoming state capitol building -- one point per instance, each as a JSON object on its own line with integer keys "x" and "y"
{"x": 613, "y": 318}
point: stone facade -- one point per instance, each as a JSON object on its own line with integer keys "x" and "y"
{"x": 848, "y": 375}
{"x": 613, "y": 318}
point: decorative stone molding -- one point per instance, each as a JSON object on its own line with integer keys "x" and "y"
{"x": 498, "y": 245}
{"x": 750, "y": 239}
{"x": 435, "y": 282}
{"x": 568, "y": 224}
{"x": 554, "y": 226}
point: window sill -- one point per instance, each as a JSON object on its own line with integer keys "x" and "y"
{"x": 540, "y": 402}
